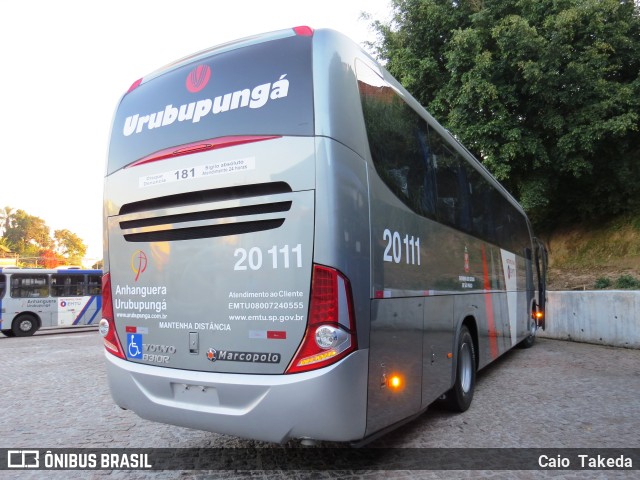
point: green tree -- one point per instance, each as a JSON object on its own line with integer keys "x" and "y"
{"x": 545, "y": 92}
{"x": 70, "y": 246}
{"x": 28, "y": 234}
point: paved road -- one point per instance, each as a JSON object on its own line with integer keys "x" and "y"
{"x": 557, "y": 394}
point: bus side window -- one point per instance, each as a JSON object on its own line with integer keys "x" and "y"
{"x": 3, "y": 285}
{"x": 29, "y": 286}
{"x": 448, "y": 197}
{"x": 481, "y": 204}
{"x": 398, "y": 144}
{"x": 93, "y": 285}
{"x": 428, "y": 187}
{"x": 67, "y": 285}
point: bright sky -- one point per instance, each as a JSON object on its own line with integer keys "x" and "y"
{"x": 66, "y": 63}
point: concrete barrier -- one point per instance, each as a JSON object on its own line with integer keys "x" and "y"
{"x": 606, "y": 317}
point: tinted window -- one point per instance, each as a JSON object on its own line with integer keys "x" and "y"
{"x": 261, "y": 89}
{"x": 424, "y": 170}
{"x": 94, "y": 285}
{"x": 67, "y": 285}
{"x": 3, "y": 285}
{"x": 29, "y": 286}
{"x": 398, "y": 141}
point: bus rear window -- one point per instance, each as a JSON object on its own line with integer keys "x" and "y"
{"x": 262, "y": 89}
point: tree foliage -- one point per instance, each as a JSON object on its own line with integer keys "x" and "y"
{"x": 30, "y": 237}
{"x": 27, "y": 234}
{"x": 545, "y": 92}
{"x": 69, "y": 245}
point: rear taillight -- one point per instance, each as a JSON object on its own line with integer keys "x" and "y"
{"x": 331, "y": 332}
{"x": 107, "y": 326}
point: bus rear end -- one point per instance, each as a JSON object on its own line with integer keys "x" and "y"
{"x": 215, "y": 315}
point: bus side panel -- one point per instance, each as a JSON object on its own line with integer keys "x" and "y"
{"x": 437, "y": 344}
{"x": 396, "y": 352}
{"x": 338, "y": 111}
{"x": 398, "y": 263}
{"x": 342, "y": 238}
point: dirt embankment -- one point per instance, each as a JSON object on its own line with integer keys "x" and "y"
{"x": 580, "y": 256}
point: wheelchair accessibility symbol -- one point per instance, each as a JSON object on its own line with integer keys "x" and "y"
{"x": 134, "y": 345}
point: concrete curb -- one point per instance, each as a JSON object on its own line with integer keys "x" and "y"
{"x": 605, "y": 317}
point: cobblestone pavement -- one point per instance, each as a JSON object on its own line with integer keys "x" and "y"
{"x": 556, "y": 394}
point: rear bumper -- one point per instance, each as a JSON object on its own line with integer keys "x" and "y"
{"x": 327, "y": 404}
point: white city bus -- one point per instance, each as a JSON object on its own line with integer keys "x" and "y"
{"x": 296, "y": 249}
{"x": 31, "y": 299}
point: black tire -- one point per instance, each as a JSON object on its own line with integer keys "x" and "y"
{"x": 531, "y": 338}
{"x": 24, "y": 325}
{"x": 459, "y": 398}
{"x": 8, "y": 333}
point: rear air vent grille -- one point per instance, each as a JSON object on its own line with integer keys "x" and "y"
{"x": 208, "y": 215}
{"x": 206, "y": 196}
{"x": 207, "y": 231}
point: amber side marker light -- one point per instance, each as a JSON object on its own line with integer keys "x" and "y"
{"x": 395, "y": 382}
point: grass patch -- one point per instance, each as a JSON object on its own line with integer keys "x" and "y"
{"x": 605, "y": 255}
{"x": 614, "y": 244}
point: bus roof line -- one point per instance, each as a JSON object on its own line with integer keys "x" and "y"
{"x": 217, "y": 49}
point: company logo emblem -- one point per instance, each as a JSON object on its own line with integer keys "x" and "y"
{"x": 245, "y": 357}
{"x": 198, "y": 78}
{"x": 138, "y": 263}
{"x": 63, "y": 303}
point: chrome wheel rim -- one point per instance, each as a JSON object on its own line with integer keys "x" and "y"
{"x": 25, "y": 325}
{"x": 466, "y": 367}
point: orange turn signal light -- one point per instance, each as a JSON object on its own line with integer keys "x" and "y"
{"x": 395, "y": 382}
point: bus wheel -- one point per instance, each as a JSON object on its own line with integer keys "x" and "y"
{"x": 25, "y": 325}
{"x": 8, "y": 333}
{"x": 458, "y": 399}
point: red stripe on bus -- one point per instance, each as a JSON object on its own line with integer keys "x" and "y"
{"x": 493, "y": 334}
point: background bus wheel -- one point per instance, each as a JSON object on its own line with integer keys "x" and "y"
{"x": 25, "y": 325}
{"x": 458, "y": 399}
{"x": 8, "y": 333}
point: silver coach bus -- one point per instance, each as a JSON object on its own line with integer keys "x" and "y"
{"x": 296, "y": 249}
